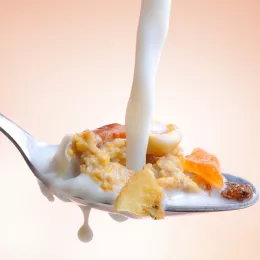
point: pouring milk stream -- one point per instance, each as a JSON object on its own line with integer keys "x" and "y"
{"x": 152, "y": 32}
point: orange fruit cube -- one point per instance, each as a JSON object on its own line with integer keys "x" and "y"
{"x": 205, "y": 165}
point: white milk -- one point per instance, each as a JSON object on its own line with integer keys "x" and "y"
{"x": 152, "y": 31}
{"x": 85, "y": 233}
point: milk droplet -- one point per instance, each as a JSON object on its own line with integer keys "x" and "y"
{"x": 85, "y": 233}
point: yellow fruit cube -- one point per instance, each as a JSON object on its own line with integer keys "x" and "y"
{"x": 142, "y": 196}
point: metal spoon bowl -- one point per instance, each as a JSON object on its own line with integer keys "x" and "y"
{"x": 28, "y": 147}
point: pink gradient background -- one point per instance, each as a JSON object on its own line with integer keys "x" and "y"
{"x": 67, "y": 65}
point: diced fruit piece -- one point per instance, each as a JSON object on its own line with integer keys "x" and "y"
{"x": 142, "y": 196}
{"x": 110, "y": 132}
{"x": 163, "y": 141}
{"x": 236, "y": 191}
{"x": 205, "y": 165}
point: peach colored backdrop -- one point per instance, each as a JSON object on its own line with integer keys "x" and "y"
{"x": 68, "y": 65}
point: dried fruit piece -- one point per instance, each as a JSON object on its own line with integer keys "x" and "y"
{"x": 205, "y": 165}
{"x": 110, "y": 132}
{"x": 141, "y": 196}
{"x": 236, "y": 191}
{"x": 163, "y": 139}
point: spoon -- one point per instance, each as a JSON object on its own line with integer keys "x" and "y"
{"x": 28, "y": 146}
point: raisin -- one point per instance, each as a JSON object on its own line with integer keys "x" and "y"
{"x": 238, "y": 192}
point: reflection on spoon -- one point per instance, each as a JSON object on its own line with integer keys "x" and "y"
{"x": 117, "y": 217}
{"x": 45, "y": 191}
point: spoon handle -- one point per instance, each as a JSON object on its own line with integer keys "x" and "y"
{"x": 19, "y": 137}
{"x": 25, "y": 144}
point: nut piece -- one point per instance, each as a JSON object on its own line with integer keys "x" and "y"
{"x": 236, "y": 191}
